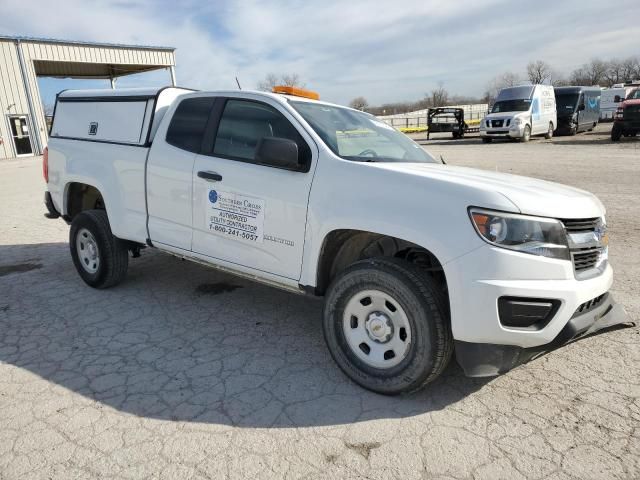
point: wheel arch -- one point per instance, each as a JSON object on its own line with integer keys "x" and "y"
{"x": 342, "y": 247}
{"x": 80, "y": 196}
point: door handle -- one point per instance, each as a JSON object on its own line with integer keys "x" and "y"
{"x": 216, "y": 177}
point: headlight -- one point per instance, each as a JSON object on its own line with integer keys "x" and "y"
{"x": 523, "y": 233}
{"x": 517, "y": 121}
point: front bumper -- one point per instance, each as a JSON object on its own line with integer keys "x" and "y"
{"x": 566, "y": 126}
{"x": 629, "y": 126}
{"x": 485, "y": 359}
{"x": 513, "y": 131}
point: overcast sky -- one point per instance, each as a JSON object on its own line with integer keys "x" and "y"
{"x": 384, "y": 51}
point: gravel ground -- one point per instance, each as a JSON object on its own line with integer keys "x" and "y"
{"x": 183, "y": 372}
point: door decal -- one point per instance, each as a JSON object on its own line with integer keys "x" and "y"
{"x": 235, "y": 216}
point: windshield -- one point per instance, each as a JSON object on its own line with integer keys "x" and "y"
{"x": 567, "y": 102}
{"x": 359, "y": 136}
{"x": 520, "y": 105}
{"x": 634, "y": 95}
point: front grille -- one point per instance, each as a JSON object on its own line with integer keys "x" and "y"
{"x": 591, "y": 304}
{"x": 581, "y": 225}
{"x": 585, "y": 258}
{"x": 496, "y": 123}
{"x": 585, "y": 251}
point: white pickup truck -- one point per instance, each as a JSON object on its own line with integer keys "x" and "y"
{"x": 416, "y": 259}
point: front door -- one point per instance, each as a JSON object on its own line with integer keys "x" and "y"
{"x": 252, "y": 215}
{"x": 19, "y": 127}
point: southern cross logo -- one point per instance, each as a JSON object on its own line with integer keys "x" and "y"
{"x": 213, "y": 196}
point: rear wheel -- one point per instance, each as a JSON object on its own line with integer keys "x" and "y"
{"x": 526, "y": 135}
{"x": 616, "y": 132}
{"x": 549, "y": 134}
{"x": 386, "y": 325}
{"x": 100, "y": 258}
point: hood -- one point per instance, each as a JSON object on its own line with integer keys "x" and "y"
{"x": 530, "y": 195}
{"x": 635, "y": 101}
{"x": 499, "y": 115}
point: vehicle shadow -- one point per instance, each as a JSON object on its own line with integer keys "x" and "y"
{"x": 179, "y": 341}
{"x": 605, "y": 140}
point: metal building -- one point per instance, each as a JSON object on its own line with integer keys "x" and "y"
{"x": 23, "y": 129}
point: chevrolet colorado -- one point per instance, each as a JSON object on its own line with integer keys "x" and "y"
{"x": 416, "y": 260}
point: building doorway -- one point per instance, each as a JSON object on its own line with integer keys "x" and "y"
{"x": 19, "y": 128}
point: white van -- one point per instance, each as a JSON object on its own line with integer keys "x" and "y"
{"x": 520, "y": 112}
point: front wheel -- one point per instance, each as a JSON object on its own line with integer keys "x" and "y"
{"x": 526, "y": 135}
{"x": 549, "y": 134}
{"x": 100, "y": 258}
{"x": 616, "y": 132}
{"x": 386, "y": 325}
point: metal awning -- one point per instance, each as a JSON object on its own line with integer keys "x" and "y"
{"x": 66, "y": 69}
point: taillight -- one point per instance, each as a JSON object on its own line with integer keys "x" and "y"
{"x": 45, "y": 164}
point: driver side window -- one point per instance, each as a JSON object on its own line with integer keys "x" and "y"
{"x": 244, "y": 123}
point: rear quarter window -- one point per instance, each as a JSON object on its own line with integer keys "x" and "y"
{"x": 188, "y": 123}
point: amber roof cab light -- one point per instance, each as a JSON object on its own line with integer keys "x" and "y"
{"x": 296, "y": 92}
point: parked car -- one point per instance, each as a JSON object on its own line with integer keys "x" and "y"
{"x": 520, "y": 112}
{"x": 608, "y": 105}
{"x": 627, "y": 119}
{"x": 415, "y": 259}
{"x": 578, "y": 109}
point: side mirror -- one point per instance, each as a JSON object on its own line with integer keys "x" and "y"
{"x": 278, "y": 152}
{"x": 617, "y": 99}
{"x": 581, "y": 107}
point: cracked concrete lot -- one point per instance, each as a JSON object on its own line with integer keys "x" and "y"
{"x": 182, "y": 372}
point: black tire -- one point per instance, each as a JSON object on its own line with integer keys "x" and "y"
{"x": 549, "y": 134}
{"x": 526, "y": 134}
{"x": 419, "y": 296}
{"x": 486, "y": 140}
{"x": 112, "y": 252}
{"x": 616, "y": 132}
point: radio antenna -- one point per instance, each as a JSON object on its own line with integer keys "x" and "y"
{"x": 238, "y": 82}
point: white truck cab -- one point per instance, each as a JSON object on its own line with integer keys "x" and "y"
{"x": 521, "y": 112}
{"x": 416, "y": 260}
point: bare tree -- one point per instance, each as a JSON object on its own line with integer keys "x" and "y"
{"x": 439, "y": 96}
{"x": 538, "y": 71}
{"x": 359, "y": 103}
{"x": 614, "y": 73}
{"x": 592, "y": 73}
{"x": 292, "y": 80}
{"x": 507, "y": 79}
{"x": 630, "y": 69}
{"x": 287, "y": 79}
{"x": 270, "y": 81}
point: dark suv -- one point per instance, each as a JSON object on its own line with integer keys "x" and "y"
{"x": 627, "y": 118}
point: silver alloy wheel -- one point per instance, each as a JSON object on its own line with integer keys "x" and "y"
{"x": 87, "y": 249}
{"x": 376, "y": 329}
{"x": 527, "y": 133}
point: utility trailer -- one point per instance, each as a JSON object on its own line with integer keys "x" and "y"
{"x": 447, "y": 119}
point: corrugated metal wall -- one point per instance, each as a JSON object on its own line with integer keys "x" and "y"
{"x": 13, "y": 98}
{"x": 12, "y": 91}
